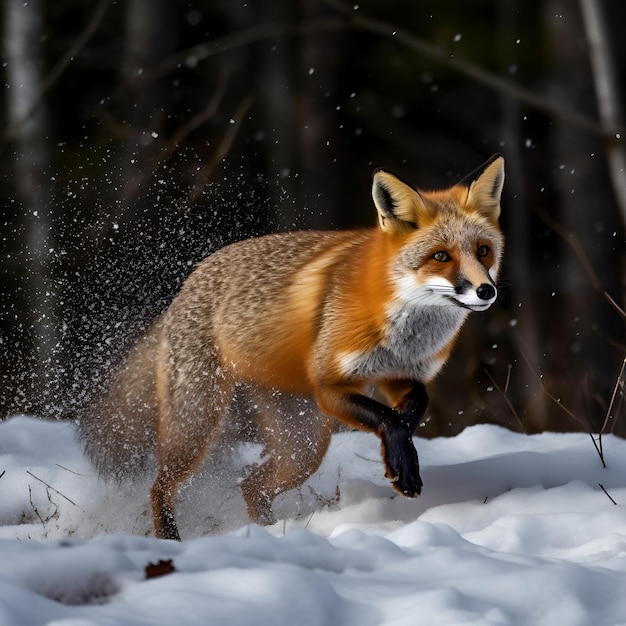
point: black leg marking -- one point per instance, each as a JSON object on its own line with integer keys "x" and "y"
{"x": 413, "y": 406}
{"x": 395, "y": 429}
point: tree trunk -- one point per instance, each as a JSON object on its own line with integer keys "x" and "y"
{"x": 584, "y": 328}
{"x": 150, "y": 36}
{"x": 525, "y": 389}
{"x": 32, "y": 184}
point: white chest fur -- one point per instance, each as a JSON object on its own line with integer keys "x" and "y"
{"x": 411, "y": 348}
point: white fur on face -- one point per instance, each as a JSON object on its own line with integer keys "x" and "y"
{"x": 437, "y": 291}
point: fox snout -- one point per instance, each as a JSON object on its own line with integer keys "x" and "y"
{"x": 476, "y": 298}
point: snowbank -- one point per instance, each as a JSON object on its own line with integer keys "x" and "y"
{"x": 510, "y": 530}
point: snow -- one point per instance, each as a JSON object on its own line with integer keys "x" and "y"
{"x": 510, "y": 529}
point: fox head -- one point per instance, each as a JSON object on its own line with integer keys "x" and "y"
{"x": 449, "y": 242}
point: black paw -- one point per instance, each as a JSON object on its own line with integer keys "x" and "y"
{"x": 401, "y": 463}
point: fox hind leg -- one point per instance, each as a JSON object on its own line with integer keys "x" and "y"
{"x": 295, "y": 437}
{"x": 190, "y": 421}
{"x": 176, "y": 465}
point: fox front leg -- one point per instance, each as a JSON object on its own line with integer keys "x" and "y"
{"x": 398, "y": 447}
{"x": 394, "y": 427}
{"x": 412, "y": 405}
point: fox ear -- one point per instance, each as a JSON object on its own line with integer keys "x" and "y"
{"x": 484, "y": 187}
{"x": 397, "y": 203}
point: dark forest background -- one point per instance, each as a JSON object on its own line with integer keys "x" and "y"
{"x": 138, "y": 136}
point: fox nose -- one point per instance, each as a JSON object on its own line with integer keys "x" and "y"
{"x": 485, "y": 291}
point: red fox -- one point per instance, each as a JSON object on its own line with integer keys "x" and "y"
{"x": 315, "y": 317}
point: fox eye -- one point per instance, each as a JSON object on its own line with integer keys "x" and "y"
{"x": 442, "y": 256}
{"x": 482, "y": 251}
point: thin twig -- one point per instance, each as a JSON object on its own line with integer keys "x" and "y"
{"x": 550, "y": 395}
{"x": 223, "y": 147}
{"x": 554, "y": 399}
{"x": 197, "y": 120}
{"x": 504, "y": 394}
{"x": 579, "y": 251}
{"x": 67, "y": 469}
{"x": 610, "y": 409}
{"x": 51, "y": 487}
{"x": 364, "y": 458}
{"x": 163, "y": 153}
{"x": 596, "y": 283}
{"x": 607, "y": 493}
{"x": 618, "y": 382}
{"x": 32, "y": 504}
{"x": 508, "y": 377}
{"x": 309, "y": 520}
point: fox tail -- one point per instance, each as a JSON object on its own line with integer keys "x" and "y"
{"x": 119, "y": 429}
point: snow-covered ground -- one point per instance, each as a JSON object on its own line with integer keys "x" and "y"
{"x": 510, "y": 529}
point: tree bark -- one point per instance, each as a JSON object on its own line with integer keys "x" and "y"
{"x": 584, "y": 329}
{"x": 32, "y": 184}
{"x": 150, "y": 36}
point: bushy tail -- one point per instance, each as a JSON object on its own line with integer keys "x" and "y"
{"x": 119, "y": 429}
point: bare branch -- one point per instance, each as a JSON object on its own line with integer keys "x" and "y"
{"x": 52, "y": 488}
{"x": 508, "y": 377}
{"x": 197, "y": 120}
{"x": 358, "y": 21}
{"x": 619, "y": 382}
{"x": 504, "y": 393}
{"x": 442, "y": 55}
{"x": 585, "y": 426}
{"x": 67, "y": 469}
{"x": 239, "y": 39}
{"x": 573, "y": 242}
{"x": 162, "y": 154}
{"x": 551, "y": 395}
{"x": 224, "y": 146}
{"x": 607, "y": 493}
{"x": 33, "y": 506}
